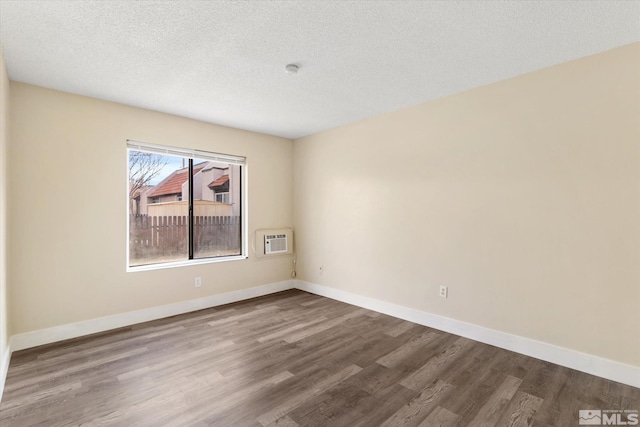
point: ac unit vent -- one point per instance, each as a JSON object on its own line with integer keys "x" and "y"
{"x": 275, "y": 243}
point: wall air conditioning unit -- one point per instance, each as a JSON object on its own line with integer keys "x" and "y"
{"x": 273, "y": 242}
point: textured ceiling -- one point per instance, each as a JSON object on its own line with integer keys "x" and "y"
{"x": 223, "y": 62}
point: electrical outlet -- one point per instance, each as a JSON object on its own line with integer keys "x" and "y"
{"x": 198, "y": 282}
{"x": 444, "y": 291}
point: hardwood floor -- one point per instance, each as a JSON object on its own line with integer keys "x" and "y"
{"x": 293, "y": 359}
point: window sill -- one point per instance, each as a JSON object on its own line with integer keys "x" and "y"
{"x": 186, "y": 263}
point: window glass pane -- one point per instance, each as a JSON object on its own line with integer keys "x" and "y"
{"x": 158, "y": 208}
{"x": 216, "y": 210}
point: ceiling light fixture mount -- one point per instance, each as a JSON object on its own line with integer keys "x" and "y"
{"x": 291, "y": 69}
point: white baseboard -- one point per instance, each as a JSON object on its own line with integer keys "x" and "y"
{"x": 583, "y": 362}
{"x": 4, "y": 368}
{"x": 101, "y": 324}
{"x": 590, "y": 364}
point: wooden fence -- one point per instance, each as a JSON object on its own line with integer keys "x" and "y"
{"x": 166, "y": 237}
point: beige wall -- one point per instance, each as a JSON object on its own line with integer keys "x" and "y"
{"x": 4, "y": 135}
{"x": 521, "y": 196}
{"x": 68, "y": 264}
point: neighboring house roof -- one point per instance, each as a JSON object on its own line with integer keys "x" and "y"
{"x": 173, "y": 183}
{"x": 220, "y": 181}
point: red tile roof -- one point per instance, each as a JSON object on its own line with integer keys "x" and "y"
{"x": 220, "y": 181}
{"x": 173, "y": 183}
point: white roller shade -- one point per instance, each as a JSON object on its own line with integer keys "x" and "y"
{"x": 185, "y": 152}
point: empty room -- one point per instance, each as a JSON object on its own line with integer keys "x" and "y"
{"x": 319, "y": 213}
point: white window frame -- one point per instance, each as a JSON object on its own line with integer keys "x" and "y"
{"x": 194, "y": 154}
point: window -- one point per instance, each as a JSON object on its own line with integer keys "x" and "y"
{"x": 222, "y": 197}
{"x": 174, "y": 216}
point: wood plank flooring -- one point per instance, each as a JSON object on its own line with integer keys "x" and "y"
{"x": 293, "y": 359}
